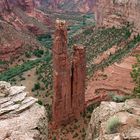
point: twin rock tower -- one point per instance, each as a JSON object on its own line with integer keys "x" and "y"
{"x": 68, "y": 78}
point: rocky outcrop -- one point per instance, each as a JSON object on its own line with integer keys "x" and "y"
{"x": 20, "y": 21}
{"x": 61, "y": 73}
{"x": 26, "y": 5}
{"x": 78, "y": 79}
{"x": 22, "y": 14}
{"x": 68, "y": 83}
{"x": 71, "y": 6}
{"x": 127, "y": 115}
{"x": 14, "y": 43}
{"x": 118, "y": 12}
{"x": 20, "y": 115}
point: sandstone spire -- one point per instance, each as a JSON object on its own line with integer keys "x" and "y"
{"x": 78, "y": 79}
{"x": 61, "y": 75}
{"x": 68, "y": 82}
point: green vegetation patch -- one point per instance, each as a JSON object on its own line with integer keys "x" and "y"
{"x": 135, "y": 74}
{"x": 112, "y": 125}
{"x": 12, "y": 72}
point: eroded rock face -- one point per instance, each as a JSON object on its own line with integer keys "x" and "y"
{"x": 20, "y": 115}
{"x": 14, "y": 43}
{"x": 20, "y": 14}
{"x": 73, "y": 5}
{"x": 118, "y": 80}
{"x": 26, "y": 5}
{"x": 62, "y": 80}
{"x": 68, "y": 82}
{"x": 127, "y": 114}
{"x": 117, "y": 12}
{"x": 78, "y": 79}
{"x": 20, "y": 21}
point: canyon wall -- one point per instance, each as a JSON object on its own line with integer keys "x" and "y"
{"x": 71, "y": 6}
{"x": 23, "y": 15}
{"x": 118, "y": 12}
{"x": 20, "y": 20}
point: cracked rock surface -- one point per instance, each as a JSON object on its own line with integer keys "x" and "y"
{"x": 128, "y": 114}
{"x": 20, "y": 115}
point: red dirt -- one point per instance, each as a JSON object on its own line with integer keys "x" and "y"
{"x": 114, "y": 78}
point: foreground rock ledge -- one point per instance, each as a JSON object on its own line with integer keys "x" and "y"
{"x": 21, "y": 118}
{"x": 128, "y": 114}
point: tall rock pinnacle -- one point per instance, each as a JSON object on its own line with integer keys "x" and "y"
{"x": 61, "y": 75}
{"x": 78, "y": 79}
{"x": 68, "y": 82}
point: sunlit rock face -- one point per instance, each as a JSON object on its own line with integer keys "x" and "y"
{"x": 73, "y": 5}
{"x": 18, "y": 13}
{"x": 99, "y": 126}
{"x": 26, "y": 5}
{"x": 20, "y": 115}
{"x": 110, "y": 12}
{"x": 20, "y": 20}
{"x": 14, "y": 42}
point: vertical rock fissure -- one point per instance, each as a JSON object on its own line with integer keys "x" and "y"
{"x": 72, "y": 69}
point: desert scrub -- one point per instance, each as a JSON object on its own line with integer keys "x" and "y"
{"x": 118, "y": 98}
{"x": 112, "y": 125}
{"x": 135, "y": 74}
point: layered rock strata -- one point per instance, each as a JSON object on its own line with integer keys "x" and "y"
{"x": 20, "y": 115}
{"x": 14, "y": 43}
{"x": 126, "y": 115}
{"x": 23, "y": 15}
{"x": 69, "y": 82}
{"x": 117, "y": 12}
{"x": 71, "y": 6}
{"x": 20, "y": 20}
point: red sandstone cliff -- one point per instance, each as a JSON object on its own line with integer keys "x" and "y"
{"x": 109, "y": 13}
{"x": 70, "y": 5}
{"x": 14, "y": 43}
{"x": 19, "y": 20}
{"x": 23, "y": 15}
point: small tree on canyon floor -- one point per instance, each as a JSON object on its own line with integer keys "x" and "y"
{"x": 135, "y": 74}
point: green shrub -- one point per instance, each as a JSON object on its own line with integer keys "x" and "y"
{"x": 135, "y": 74}
{"x": 54, "y": 138}
{"x": 40, "y": 102}
{"x": 38, "y": 53}
{"x": 118, "y": 98}
{"x": 36, "y": 86}
{"x": 2, "y": 62}
{"x": 112, "y": 125}
{"x": 28, "y": 54}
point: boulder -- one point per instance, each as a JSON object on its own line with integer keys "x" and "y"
{"x": 127, "y": 115}
{"x": 21, "y": 118}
